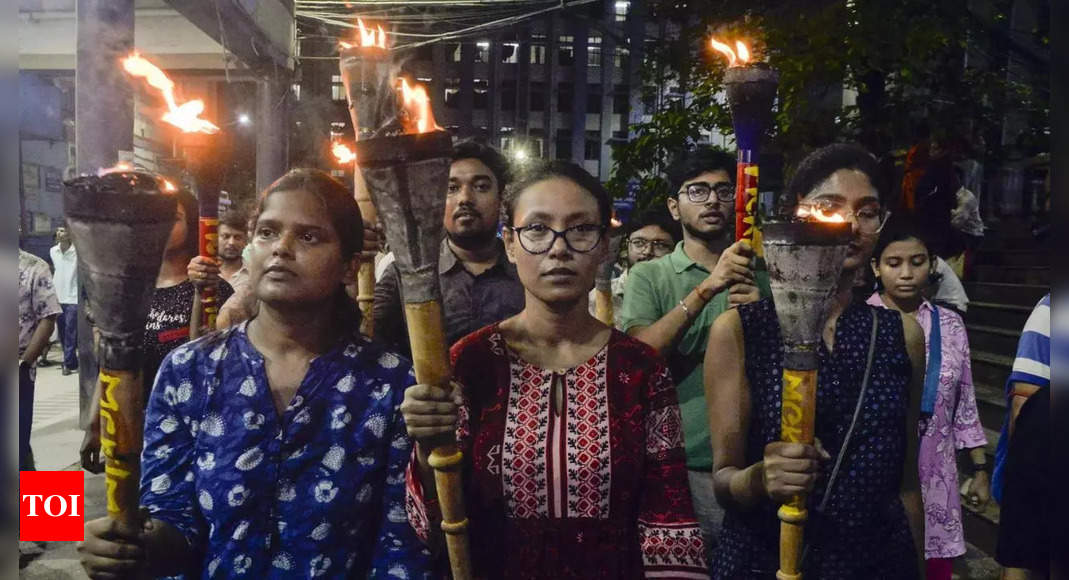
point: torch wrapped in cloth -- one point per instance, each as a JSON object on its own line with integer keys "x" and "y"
{"x": 206, "y": 299}
{"x": 407, "y": 176}
{"x": 804, "y": 261}
{"x": 119, "y": 223}
{"x": 751, "y": 90}
{"x": 366, "y": 73}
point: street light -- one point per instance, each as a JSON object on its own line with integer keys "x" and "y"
{"x": 244, "y": 119}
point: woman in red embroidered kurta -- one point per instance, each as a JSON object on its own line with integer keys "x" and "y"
{"x": 570, "y": 430}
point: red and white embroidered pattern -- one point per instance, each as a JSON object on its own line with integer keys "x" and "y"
{"x": 587, "y": 455}
{"x": 523, "y": 454}
{"x": 664, "y": 431}
{"x": 672, "y": 550}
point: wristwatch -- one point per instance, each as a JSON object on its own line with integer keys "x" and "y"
{"x": 985, "y": 466}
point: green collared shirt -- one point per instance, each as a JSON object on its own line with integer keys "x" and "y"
{"x": 653, "y": 289}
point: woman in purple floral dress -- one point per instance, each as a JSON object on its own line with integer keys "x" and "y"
{"x": 904, "y": 268}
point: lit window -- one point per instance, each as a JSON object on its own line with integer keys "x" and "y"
{"x": 538, "y": 54}
{"x": 622, "y": 7}
{"x": 510, "y": 52}
{"x": 337, "y": 89}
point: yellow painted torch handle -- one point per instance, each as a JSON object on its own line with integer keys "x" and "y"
{"x": 797, "y": 425}
{"x": 121, "y": 418}
{"x": 431, "y": 361}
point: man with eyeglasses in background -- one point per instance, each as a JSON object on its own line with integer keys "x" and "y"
{"x": 650, "y": 235}
{"x": 670, "y": 302}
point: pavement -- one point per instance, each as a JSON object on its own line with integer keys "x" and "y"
{"x": 55, "y": 439}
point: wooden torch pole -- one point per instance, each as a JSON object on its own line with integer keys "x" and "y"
{"x": 797, "y": 426}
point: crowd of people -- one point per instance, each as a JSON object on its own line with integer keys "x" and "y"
{"x": 286, "y": 443}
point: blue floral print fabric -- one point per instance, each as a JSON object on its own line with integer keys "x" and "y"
{"x": 317, "y": 492}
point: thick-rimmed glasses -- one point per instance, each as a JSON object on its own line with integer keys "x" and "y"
{"x": 870, "y": 219}
{"x": 700, "y": 191}
{"x": 539, "y": 238}
{"x": 655, "y": 247}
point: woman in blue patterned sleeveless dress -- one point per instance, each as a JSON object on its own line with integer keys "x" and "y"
{"x": 872, "y": 522}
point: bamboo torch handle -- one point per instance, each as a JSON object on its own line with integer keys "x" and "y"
{"x": 120, "y": 441}
{"x": 431, "y": 363}
{"x": 603, "y": 309}
{"x": 797, "y": 426}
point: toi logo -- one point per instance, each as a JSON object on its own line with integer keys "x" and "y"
{"x": 51, "y": 506}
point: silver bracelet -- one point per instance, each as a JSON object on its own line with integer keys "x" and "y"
{"x": 685, "y": 309}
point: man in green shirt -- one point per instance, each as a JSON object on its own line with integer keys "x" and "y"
{"x": 670, "y": 302}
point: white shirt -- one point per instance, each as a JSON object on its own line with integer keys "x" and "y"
{"x": 65, "y": 278}
{"x": 950, "y": 290}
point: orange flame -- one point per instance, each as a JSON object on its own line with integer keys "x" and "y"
{"x": 185, "y": 116}
{"x": 416, "y": 107}
{"x": 739, "y": 56}
{"x": 819, "y": 215}
{"x": 369, "y": 37}
{"x": 117, "y": 168}
{"x": 343, "y": 153}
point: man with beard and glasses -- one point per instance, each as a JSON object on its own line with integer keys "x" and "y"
{"x": 670, "y": 302}
{"x": 479, "y": 285}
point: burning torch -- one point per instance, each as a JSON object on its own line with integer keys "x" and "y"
{"x": 366, "y": 72}
{"x": 404, "y": 159}
{"x": 751, "y": 89}
{"x": 120, "y": 222}
{"x": 186, "y": 117}
{"x": 804, "y": 261}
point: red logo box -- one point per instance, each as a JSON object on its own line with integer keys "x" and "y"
{"x": 51, "y": 506}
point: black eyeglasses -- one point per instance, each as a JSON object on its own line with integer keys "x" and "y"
{"x": 699, "y": 191}
{"x": 539, "y": 238}
{"x": 656, "y": 247}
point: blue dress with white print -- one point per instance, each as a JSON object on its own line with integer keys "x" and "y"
{"x": 317, "y": 492}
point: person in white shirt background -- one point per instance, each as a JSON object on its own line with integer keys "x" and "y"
{"x": 65, "y": 280}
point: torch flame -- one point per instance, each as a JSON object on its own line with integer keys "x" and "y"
{"x": 342, "y": 153}
{"x": 738, "y": 56}
{"x": 818, "y": 214}
{"x": 416, "y": 106}
{"x": 185, "y": 116}
{"x": 168, "y": 186}
{"x": 117, "y": 168}
{"x": 369, "y": 37}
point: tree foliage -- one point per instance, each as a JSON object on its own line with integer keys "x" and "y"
{"x": 936, "y": 64}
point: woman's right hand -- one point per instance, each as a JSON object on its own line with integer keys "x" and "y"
{"x": 430, "y": 414}
{"x": 203, "y": 271}
{"x": 106, "y": 554}
{"x": 791, "y": 468}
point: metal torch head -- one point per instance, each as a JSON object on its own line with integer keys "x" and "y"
{"x": 805, "y": 260}
{"x": 366, "y": 75}
{"x": 407, "y": 177}
{"x": 119, "y": 223}
{"x": 751, "y": 90}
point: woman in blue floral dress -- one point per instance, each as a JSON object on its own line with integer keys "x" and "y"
{"x": 276, "y": 448}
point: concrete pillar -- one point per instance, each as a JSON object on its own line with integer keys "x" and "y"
{"x": 272, "y": 130}
{"x": 104, "y": 125}
{"x": 580, "y": 32}
{"x": 103, "y": 95}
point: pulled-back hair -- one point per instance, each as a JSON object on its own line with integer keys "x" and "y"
{"x": 337, "y": 200}
{"x": 552, "y": 169}
{"x": 901, "y": 229}
{"x": 822, "y": 163}
{"x": 691, "y": 164}
{"x": 344, "y": 216}
{"x": 490, "y": 157}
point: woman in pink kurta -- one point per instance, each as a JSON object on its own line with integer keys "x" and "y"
{"x": 903, "y": 266}
{"x": 571, "y": 433}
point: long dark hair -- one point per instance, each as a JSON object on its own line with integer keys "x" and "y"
{"x": 344, "y": 216}
{"x": 549, "y": 170}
